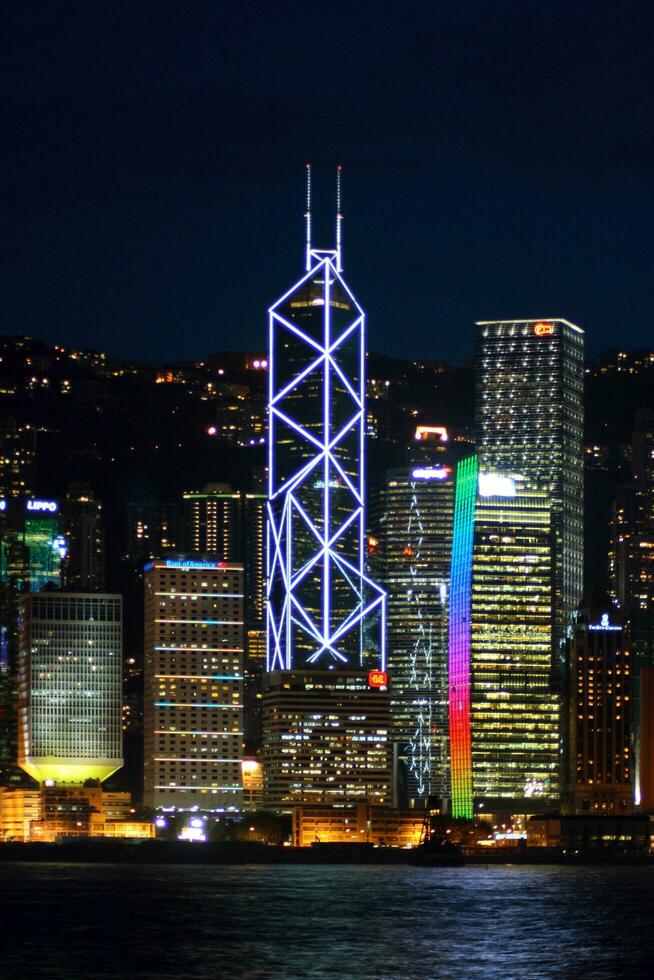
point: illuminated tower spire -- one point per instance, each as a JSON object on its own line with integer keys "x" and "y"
{"x": 339, "y": 220}
{"x": 307, "y": 221}
{"x": 318, "y": 595}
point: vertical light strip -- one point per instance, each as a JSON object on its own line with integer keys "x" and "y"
{"x": 459, "y": 638}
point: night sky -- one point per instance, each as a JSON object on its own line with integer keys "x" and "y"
{"x": 497, "y": 157}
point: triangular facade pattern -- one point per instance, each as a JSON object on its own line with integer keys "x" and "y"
{"x": 319, "y": 598}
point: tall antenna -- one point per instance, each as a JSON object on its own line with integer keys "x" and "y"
{"x": 339, "y": 218}
{"x": 307, "y": 219}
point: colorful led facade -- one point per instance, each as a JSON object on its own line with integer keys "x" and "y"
{"x": 529, "y": 419}
{"x": 459, "y": 638}
{"x": 514, "y": 709}
{"x": 319, "y": 599}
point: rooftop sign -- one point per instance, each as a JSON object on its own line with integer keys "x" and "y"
{"x": 430, "y": 473}
{"x": 188, "y": 564}
{"x": 604, "y": 625}
{"x": 43, "y": 506}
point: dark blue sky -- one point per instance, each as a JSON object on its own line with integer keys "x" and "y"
{"x": 498, "y": 162}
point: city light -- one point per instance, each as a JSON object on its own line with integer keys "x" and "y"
{"x": 430, "y": 473}
{"x": 378, "y": 678}
{"x": 496, "y": 485}
{"x": 424, "y": 432}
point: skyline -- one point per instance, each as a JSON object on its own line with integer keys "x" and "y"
{"x": 155, "y": 172}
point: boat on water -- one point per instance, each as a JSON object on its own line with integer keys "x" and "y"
{"x": 437, "y": 851}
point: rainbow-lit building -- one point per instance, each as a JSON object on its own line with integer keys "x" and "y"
{"x": 504, "y": 712}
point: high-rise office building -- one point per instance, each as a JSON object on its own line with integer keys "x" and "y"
{"x": 213, "y": 522}
{"x": 70, "y": 680}
{"x": 81, "y": 518}
{"x": 32, "y": 546}
{"x": 32, "y": 550}
{"x": 631, "y": 573}
{"x": 324, "y": 734}
{"x": 411, "y": 524}
{"x": 529, "y": 420}
{"x": 504, "y": 713}
{"x": 632, "y": 549}
{"x": 598, "y": 767}
{"x": 326, "y": 738}
{"x": 319, "y": 598}
{"x": 193, "y": 681}
{"x": 229, "y": 525}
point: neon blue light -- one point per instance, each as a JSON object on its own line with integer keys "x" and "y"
{"x": 183, "y": 563}
{"x": 315, "y": 526}
{"x": 43, "y": 506}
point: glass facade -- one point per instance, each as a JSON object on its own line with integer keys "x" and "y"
{"x": 318, "y": 595}
{"x": 70, "y": 685}
{"x": 411, "y": 518}
{"x": 514, "y": 711}
{"x": 326, "y": 738}
{"x": 529, "y": 420}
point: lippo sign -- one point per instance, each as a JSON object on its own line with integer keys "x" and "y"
{"x": 378, "y": 678}
{"x": 43, "y": 506}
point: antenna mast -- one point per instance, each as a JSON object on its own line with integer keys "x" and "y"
{"x": 307, "y": 220}
{"x": 339, "y": 218}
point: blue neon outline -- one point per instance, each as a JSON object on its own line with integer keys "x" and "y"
{"x": 283, "y": 499}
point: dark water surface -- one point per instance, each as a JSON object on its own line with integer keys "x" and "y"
{"x": 80, "y": 920}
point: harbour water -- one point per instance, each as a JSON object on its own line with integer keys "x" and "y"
{"x": 379, "y": 923}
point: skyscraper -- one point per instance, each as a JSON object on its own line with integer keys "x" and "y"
{"x": 318, "y": 594}
{"x": 229, "y": 525}
{"x": 529, "y": 420}
{"x": 193, "y": 682}
{"x": 632, "y": 551}
{"x": 70, "y": 681}
{"x": 504, "y": 713}
{"x": 411, "y": 523}
{"x": 598, "y": 769}
{"x": 81, "y": 517}
{"x": 326, "y": 738}
{"x": 325, "y": 700}
{"x": 213, "y": 522}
